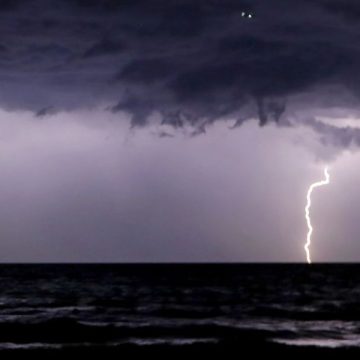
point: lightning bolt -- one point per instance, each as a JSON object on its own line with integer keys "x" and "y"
{"x": 326, "y": 181}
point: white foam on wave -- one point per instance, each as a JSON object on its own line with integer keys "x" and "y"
{"x": 171, "y": 341}
{"x": 28, "y": 346}
{"x": 130, "y": 341}
{"x": 328, "y": 343}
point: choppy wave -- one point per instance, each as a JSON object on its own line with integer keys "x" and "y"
{"x": 53, "y": 306}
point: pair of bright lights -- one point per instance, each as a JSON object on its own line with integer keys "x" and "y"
{"x": 248, "y": 15}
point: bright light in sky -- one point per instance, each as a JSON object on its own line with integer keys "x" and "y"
{"x": 307, "y": 212}
{"x": 248, "y": 15}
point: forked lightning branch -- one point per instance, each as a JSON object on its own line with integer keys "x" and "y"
{"x": 307, "y": 212}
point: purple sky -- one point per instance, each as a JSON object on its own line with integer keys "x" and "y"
{"x": 178, "y": 130}
{"x": 82, "y": 186}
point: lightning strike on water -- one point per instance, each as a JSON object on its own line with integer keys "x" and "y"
{"x": 326, "y": 181}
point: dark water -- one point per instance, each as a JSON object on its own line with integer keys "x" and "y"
{"x": 57, "y": 306}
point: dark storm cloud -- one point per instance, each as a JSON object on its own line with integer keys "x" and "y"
{"x": 190, "y": 61}
{"x": 341, "y": 137}
{"x": 146, "y": 71}
{"x": 48, "y": 110}
{"x": 104, "y": 47}
{"x": 350, "y": 9}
